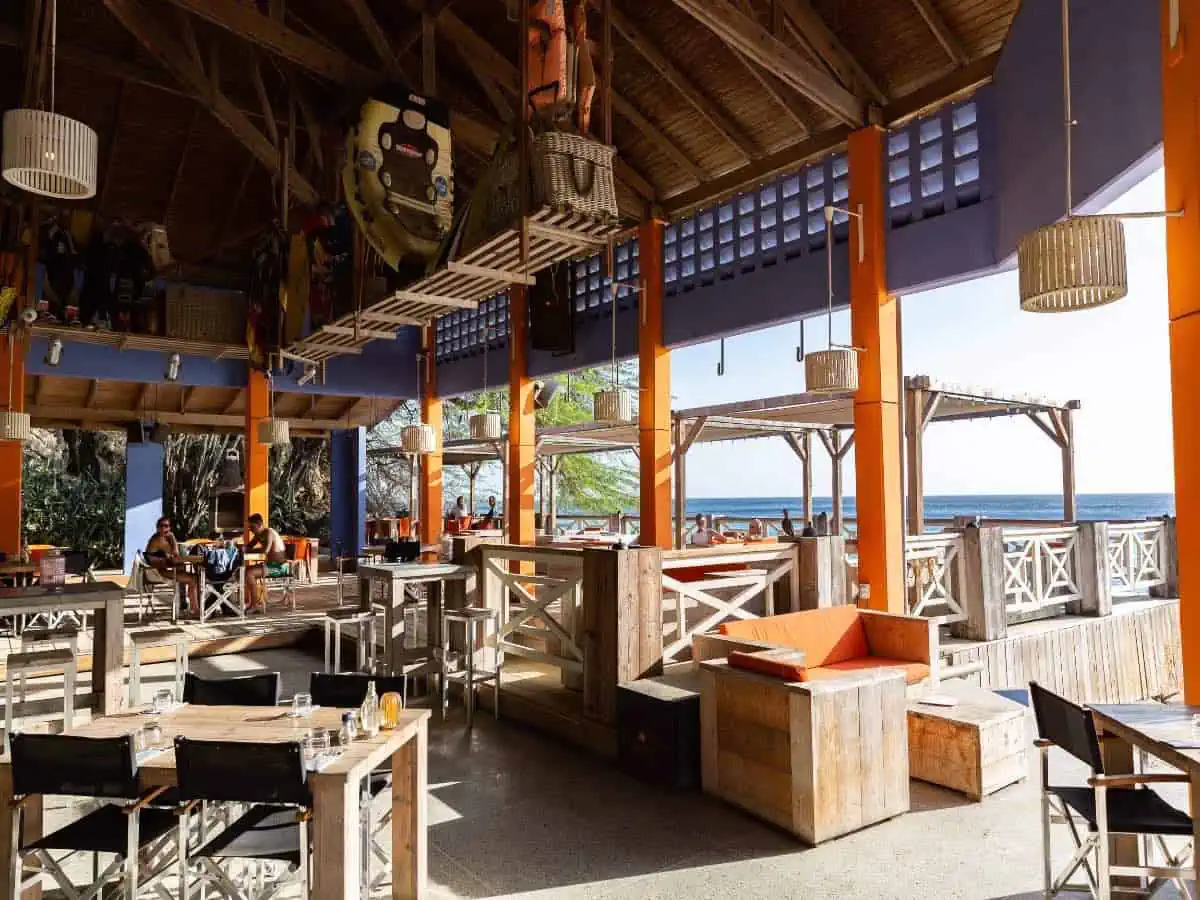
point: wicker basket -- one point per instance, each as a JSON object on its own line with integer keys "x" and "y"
{"x": 575, "y": 173}
{"x": 203, "y": 314}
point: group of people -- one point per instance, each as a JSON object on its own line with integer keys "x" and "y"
{"x": 163, "y": 555}
{"x": 705, "y": 536}
{"x": 461, "y": 514}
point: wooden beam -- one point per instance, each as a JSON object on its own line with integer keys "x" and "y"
{"x": 942, "y": 32}
{"x": 191, "y": 132}
{"x": 243, "y": 20}
{"x": 174, "y": 59}
{"x": 767, "y": 82}
{"x": 93, "y": 388}
{"x": 214, "y": 420}
{"x": 233, "y": 402}
{"x": 264, "y": 100}
{"x": 409, "y": 37}
{"x": 140, "y": 401}
{"x": 234, "y": 203}
{"x": 748, "y": 37}
{"x": 650, "y": 132}
{"x": 812, "y": 28}
{"x": 185, "y": 398}
{"x": 351, "y": 405}
{"x": 380, "y": 42}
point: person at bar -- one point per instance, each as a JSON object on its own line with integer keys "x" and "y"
{"x": 489, "y": 518}
{"x": 162, "y": 552}
{"x": 704, "y": 536}
{"x": 267, "y": 541}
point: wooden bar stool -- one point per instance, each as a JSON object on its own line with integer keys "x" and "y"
{"x": 364, "y": 621}
{"x": 38, "y": 655}
{"x": 144, "y": 640}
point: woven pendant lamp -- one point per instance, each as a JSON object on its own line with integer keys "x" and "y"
{"x": 613, "y": 406}
{"x": 486, "y": 426}
{"x": 418, "y": 439}
{"x": 14, "y": 426}
{"x": 831, "y": 371}
{"x": 275, "y": 432}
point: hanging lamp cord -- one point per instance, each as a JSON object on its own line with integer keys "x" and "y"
{"x": 829, "y": 268}
{"x": 1068, "y": 119}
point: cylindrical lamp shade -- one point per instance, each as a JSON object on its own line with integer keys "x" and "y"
{"x": 831, "y": 371}
{"x": 1078, "y": 263}
{"x": 418, "y": 439}
{"x": 614, "y": 405}
{"x": 486, "y": 426}
{"x": 49, "y": 154}
{"x": 14, "y": 426}
{"x": 275, "y": 432}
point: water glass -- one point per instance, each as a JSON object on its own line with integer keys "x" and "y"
{"x": 151, "y": 735}
{"x": 314, "y": 745}
{"x": 163, "y": 702}
{"x": 302, "y": 706}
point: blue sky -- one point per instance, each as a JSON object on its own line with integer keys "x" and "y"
{"x": 1114, "y": 360}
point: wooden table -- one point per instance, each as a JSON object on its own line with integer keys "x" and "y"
{"x": 335, "y": 832}
{"x": 19, "y": 571}
{"x": 1163, "y": 730}
{"x": 106, "y": 602}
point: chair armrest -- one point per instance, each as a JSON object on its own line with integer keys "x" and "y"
{"x": 905, "y": 638}
{"x": 1043, "y": 744}
{"x": 143, "y": 800}
{"x": 1119, "y": 781}
{"x": 718, "y": 646}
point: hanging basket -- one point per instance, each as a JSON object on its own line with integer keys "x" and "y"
{"x": 275, "y": 432}
{"x": 1078, "y": 263}
{"x": 614, "y": 406}
{"x": 832, "y": 371}
{"x": 486, "y": 426}
{"x": 14, "y": 426}
{"x": 418, "y": 439}
{"x": 49, "y": 154}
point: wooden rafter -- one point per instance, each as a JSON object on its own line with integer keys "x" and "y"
{"x": 408, "y": 38}
{"x": 185, "y": 397}
{"x": 111, "y": 148}
{"x": 748, "y": 36}
{"x": 380, "y": 42}
{"x": 941, "y": 31}
{"x": 264, "y": 100}
{"x": 350, "y": 406}
{"x": 233, "y": 402}
{"x": 771, "y": 88}
{"x": 183, "y": 156}
{"x": 174, "y": 58}
{"x": 811, "y": 27}
{"x": 235, "y": 202}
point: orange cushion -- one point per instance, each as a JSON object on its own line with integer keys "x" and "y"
{"x": 913, "y": 671}
{"x": 825, "y": 635}
{"x": 781, "y": 662}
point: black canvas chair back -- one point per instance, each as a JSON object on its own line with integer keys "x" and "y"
{"x": 77, "y": 562}
{"x": 347, "y": 690}
{"x": 1067, "y": 725}
{"x": 248, "y": 690}
{"x": 221, "y": 563}
{"x": 241, "y": 772}
{"x": 74, "y": 765}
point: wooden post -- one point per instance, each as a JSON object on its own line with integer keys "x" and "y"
{"x": 806, "y": 477}
{"x": 1170, "y": 561}
{"x": 822, "y": 565}
{"x": 622, "y": 624}
{"x": 680, "y": 484}
{"x": 1095, "y": 584}
{"x": 552, "y": 465}
{"x": 431, "y": 463}
{"x": 12, "y": 398}
{"x": 257, "y": 454}
{"x": 1067, "y": 425}
{"x": 522, "y": 442}
{"x": 914, "y": 434}
{"x": 654, "y": 407}
{"x": 835, "y": 457}
{"x": 983, "y": 586}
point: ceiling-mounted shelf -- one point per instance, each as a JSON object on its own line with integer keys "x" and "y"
{"x": 488, "y": 269}
{"x": 129, "y": 341}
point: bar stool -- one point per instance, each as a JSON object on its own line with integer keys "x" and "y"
{"x": 31, "y": 660}
{"x": 144, "y": 640}
{"x": 471, "y": 618}
{"x": 364, "y": 621}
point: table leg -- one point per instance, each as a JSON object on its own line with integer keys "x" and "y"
{"x": 336, "y": 842}
{"x": 393, "y": 626}
{"x": 410, "y": 825}
{"x": 364, "y": 593}
{"x": 433, "y": 627}
{"x": 31, "y": 828}
{"x": 1122, "y": 849}
{"x": 1194, "y": 802}
{"x": 108, "y": 655}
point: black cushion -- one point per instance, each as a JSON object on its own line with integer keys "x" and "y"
{"x": 104, "y": 831}
{"x": 265, "y": 832}
{"x": 1130, "y": 810}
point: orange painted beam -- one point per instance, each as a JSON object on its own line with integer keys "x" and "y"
{"x": 522, "y": 436}
{"x": 1181, "y": 150}
{"x": 257, "y": 454}
{"x": 654, "y": 406}
{"x": 12, "y": 385}
{"x": 879, "y": 494}
{"x": 431, "y": 463}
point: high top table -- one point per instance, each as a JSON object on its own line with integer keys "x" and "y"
{"x": 106, "y": 602}
{"x": 337, "y": 847}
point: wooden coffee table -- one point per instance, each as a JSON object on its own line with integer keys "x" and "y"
{"x": 976, "y": 746}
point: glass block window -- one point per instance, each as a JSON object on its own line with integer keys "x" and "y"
{"x": 590, "y": 286}
{"x": 933, "y": 164}
{"x": 463, "y": 331}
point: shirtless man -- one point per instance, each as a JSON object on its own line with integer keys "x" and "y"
{"x": 268, "y": 542}
{"x": 162, "y": 552}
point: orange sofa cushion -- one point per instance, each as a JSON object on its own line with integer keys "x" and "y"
{"x": 825, "y": 635}
{"x": 781, "y": 662}
{"x": 914, "y": 672}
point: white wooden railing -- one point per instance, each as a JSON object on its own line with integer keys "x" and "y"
{"x": 934, "y": 576}
{"x": 1137, "y": 557}
{"x": 700, "y": 605}
{"x": 1041, "y": 567}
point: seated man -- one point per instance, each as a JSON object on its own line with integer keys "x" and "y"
{"x": 268, "y": 542}
{"x": 704, "y": 536}
{"x": 489, "y": 518}
{"x": 162, "y": 552}
{"x": 755, "y": 529}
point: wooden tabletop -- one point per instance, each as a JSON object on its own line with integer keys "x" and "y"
{"x": 1164, "y": 730}
{"x": 85, "y": 595}
{"x": 19, "y": 568}
{"x": 415, "y": 571}
{"x": 251, "y": 724}
{"x": 974, "y": 706}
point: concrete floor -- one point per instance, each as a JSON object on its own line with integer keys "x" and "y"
{"x": 513, "y": 814}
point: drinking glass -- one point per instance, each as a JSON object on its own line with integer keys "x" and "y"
{"x": 163, "y": 702}
{"x": 314, "y": 745}
{"x": 390, "y": 705}
{"x": 302, "y": 706}
{"x": 151, "y": 735}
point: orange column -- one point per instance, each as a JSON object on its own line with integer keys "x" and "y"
{"x": 257, "y": 456}
{"x": 654, "y": 408}
{"x": 431, "y": 463}
{"x": 12, "y": 384}
{"x": 522, "y": 431}
{"x": 1181, "y": 149}
{"x": 879, "y": 494}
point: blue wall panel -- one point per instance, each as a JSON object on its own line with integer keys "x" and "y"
{"x": 348, "y": 497}
{"x": 143, "y": 495}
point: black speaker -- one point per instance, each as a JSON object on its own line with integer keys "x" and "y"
{"x": 658, "y": 730}
{"x": 543, "y": 393}
{"x": 551, "y": 319}
{"x": 137, "y": 432}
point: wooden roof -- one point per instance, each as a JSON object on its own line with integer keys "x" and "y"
{"x": 63, "y": 402}
{"x": 189, "y": 97}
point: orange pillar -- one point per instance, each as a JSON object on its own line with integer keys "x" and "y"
{"x": 1181, "y": 149}
{"x": 257, "y": 458}
{"x": 879, "y": 494}
{"x": 12, "y": 384}
{"x": 431, "y": 463}
{"x": 522, "y": 431}
{"x": 654, "y": 408}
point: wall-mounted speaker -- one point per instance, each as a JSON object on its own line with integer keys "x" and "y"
{"x": 551, "y": 318}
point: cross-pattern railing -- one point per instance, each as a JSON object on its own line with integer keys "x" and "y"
{"x": 1137, "y": 556}
{"x": 934, "y": 576}
{"x": 1041, "y": 567}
